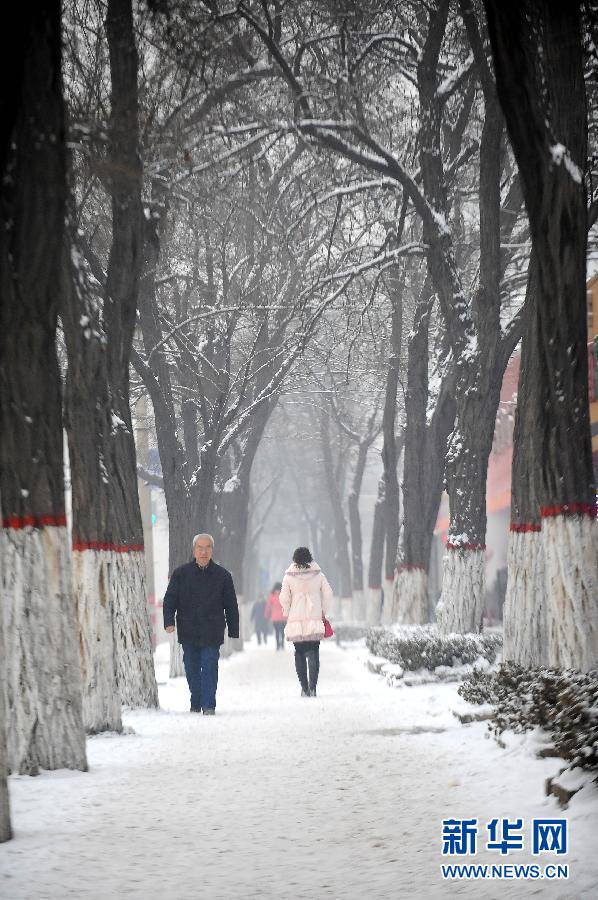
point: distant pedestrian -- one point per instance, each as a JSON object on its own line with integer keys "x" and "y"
{"x": 275, "y": 614}
{"x": 202, "y": 596}
{"x": 305, "y": 598}
{"x": 260, "y": 622}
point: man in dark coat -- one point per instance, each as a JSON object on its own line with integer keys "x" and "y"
{"x": 202, "y": 595}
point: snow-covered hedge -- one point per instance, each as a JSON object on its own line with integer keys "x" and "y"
{"x": 416, "y": 647}
{"x": 562, "y": 702}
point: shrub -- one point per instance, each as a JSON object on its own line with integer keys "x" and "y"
{"x": 416, "y": 647}
{"x": 562, "y": 702}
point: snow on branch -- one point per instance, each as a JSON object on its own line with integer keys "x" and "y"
{"x": 261, "y": 70}
{"x": 230, "y": 154}
{"x": 453, "y": 81}
{"x": 381, "y": 38}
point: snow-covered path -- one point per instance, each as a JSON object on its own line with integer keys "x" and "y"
{"x": 279, "y": 796}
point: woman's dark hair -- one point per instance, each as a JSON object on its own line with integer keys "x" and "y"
{"x": 277, "y": 586}
{"x": 302, "y": 557}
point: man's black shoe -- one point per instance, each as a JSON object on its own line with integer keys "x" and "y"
{"x": 209, "y": 712}
{"x": 196, "y": 709}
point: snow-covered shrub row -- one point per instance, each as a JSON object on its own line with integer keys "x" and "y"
{"x": 416, "y": 647}
{"x": 562, "y": 702}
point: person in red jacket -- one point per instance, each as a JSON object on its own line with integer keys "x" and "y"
{"x": 273, "y": 611}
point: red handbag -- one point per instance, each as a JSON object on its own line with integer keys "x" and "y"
{"x": 328, "y": 632}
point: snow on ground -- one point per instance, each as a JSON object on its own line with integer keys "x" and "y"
{"x": 279, "y": 796}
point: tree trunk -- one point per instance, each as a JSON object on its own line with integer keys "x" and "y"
{"x": 94, "y": 471}
{"x": 45, "y": 727}
{"x": 410, "y": 595}
{"x": 460, "y": 608}
{"x": 390, "y": 451}
{"x": 547, "y": 121}
{"x": 108, "y": 558}
{"x": 423, "y": 470}
{"x": 341, "y": 539}
{"x": 376, "y": 561}
{"x": 233, "y": 512}
{"x": 524, "y": 614}
{"x": 235, "y": 504}
{"x": 356, "y": 557}
{"x": 359, "y": 611}
{"x": 411, "y": 587}
{"x": 137, "y": 681}
{"x": 5, "y": 828}
{"x": 480, "y": 351}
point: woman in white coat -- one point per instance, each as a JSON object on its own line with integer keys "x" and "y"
{"x": 305, "y": 598}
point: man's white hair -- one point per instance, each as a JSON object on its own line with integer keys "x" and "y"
{"x": 198, "y": 536}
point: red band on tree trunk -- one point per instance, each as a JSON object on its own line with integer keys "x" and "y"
{"x": 17, "y": 522}
{"x": 410, "y": 567}
{"x": 569, "y": 509}
{"x": 106, "y": 545}
{"x": 523, "y": 527}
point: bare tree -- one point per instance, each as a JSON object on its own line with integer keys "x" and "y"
{"x": 481, "y": 348}
{"x": 108, "y": 557}
{"x": 43, "y": 682}
{"x": 543, "y": 99}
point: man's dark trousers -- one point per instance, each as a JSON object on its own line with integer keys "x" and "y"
{"x": 201, "y": 669}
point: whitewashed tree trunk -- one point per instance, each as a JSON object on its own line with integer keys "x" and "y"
{"x": 461, "y": 604}
{"x": 359, "y": 606}
{"x": 44, "y": 715}
{"x": 177, "y": 669}
{"x": 372, "y": 609}
{"x": 410, "y": 599}
{"x": 5, "y": 829}
{"x": 93, "y": 585}
{"x": 539, "y": 103}
{"x": 571, "y": 558}
{"x": 132, "y": 631}
{"x": 524, "y": 614}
